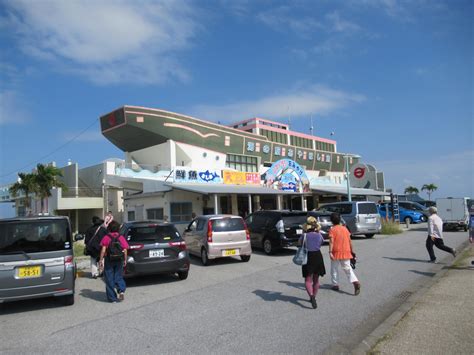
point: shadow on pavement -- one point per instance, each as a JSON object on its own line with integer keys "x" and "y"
{"x": 36, "y": 304}
{"x": 407, "y": 259}
{"x": 329, "y": 287}
{"x": 424, "y": 273}
{"x": 279, "y": 253}
{"x": 146, "y": 280}
{"x": 273, "y": 296}
{"x": 94, "y": 295}
{"x": 196, "y": 260}
{"x": 298, "y": 285}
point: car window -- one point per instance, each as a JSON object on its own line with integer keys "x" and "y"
{"x": 34, "y": 236}
{"x": 343, "y": 208}
{"x": 227, "y": 224}
{"x": 156, "y": 233}
{"x": 257, "y": 220}
{"x": 289, "y": 219}
{"x": 200, "y": 224}
{"x": 367, "y": 208}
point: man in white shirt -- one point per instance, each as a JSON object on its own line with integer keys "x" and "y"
{"x": 435, "y": 235}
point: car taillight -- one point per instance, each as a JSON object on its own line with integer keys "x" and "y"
{"x": 180, "y": 245}
{"x": 136, "y": 246}
{"x": 209, "y": 231}
{"x": 69, "y": 260}
{"x": 247, "y": 233}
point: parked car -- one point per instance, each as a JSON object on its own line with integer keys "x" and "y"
{"x": 218, "y": 236}
{"x": 406, "y": 216}
{"x": 324, "y": 219}
{"x": 415, "y": 206}
{"x": 272, "y": 230}
{"x": 427, "y": 204}
{"x": 362, "y": 217}
{"x": 36, "y": 259}
{"x": 155, "y": 248}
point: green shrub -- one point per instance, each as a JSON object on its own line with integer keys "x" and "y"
{"x": 390, "y": 227}
{"x": 78, "y": 249}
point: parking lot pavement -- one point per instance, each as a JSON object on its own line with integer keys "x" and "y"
{"x": 440, "y": 321}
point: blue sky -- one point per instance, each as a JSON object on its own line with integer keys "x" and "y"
{"x": 392, "y": 79}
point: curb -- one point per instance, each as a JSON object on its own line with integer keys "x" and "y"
{"x": 370, "y": 341}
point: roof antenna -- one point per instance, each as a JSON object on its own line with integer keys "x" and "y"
{"x": 311, "y": 127}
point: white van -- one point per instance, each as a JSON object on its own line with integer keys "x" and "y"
{"x": 454, "y": 212}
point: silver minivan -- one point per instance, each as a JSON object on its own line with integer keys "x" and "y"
{"x": 36, "y": 259}
{"x": 217, "y": 236}
{"x": 362, "y": 217}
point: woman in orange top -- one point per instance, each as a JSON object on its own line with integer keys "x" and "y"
{"x": 340, "y": 252}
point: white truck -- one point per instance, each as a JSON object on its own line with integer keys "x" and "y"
{"x": 454, "y": 212}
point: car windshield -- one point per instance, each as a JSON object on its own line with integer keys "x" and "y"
{"x": 32, "y": 236}
{"x": 289, "y": 219}
{"x": 367, "y": 208}
{"x": 153, "y": 233}
{"x": 227, "y": 225}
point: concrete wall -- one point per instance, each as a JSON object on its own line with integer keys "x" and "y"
{"x": 198, "y": 158}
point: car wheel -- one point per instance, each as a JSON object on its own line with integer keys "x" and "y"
{"x": 204, "y": 257}
{"x": 369, "y": 235}
{"x": 245, "y": 258}
{"x": 408, "y": 220}
{"x": 424, "y": 218}
{"x": 183, "y": 275}
{"x": 268, "y": 247}
{"x": 68, "y": 300}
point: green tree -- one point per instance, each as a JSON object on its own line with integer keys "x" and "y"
{"x": 411, "y": 190}
{"x": 47, "y": 177}
{"x": 27, "y": 185}
{"x": 430, "y": 188}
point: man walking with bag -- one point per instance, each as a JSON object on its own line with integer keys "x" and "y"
{"x": 435, "y": 235}
{"x": 94, "y": 235}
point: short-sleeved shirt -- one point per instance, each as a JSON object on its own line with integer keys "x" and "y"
{"x": 314, "y": 241}
{"x": 341, "y": 242}
{"x": 105, "y": 242}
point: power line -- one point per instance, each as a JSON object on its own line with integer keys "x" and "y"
{"x": 52, "y": 152}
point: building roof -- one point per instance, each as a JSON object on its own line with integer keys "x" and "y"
{"x": 229, "y": 189}
{"x": 343, "y": 191}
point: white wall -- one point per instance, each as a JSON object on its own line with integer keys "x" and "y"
{"x": 199, "y": 158}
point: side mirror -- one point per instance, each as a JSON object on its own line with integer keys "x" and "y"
{"x": 78, "y": 237}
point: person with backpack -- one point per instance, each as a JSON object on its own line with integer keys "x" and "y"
{"x": 94, "y": 235}
{"x": 113, "y": 259}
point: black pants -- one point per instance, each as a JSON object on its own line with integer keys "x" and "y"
{"x": 439, "y": 243}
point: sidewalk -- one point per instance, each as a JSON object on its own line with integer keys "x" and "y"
{"x": 438, "y": 321}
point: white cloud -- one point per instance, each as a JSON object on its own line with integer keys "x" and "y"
{"x": 12, "y": 108}
{"x": 339, "y": 24}
{"x": 107, "y": 41}
{"x": 314, "y": 100}
{"x": 452, "y": 173}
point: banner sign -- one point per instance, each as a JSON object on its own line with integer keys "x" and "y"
{"x": 240, "y": 178}
{"x": 286, "y": 174}
{"x": 183, "y": 174}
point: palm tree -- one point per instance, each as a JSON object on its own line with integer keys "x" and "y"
{"x": 411, "y": 190}
{"x": 429, "y": 189}
{"x": 26, "y": 184}
{"x": 47, "y": 178}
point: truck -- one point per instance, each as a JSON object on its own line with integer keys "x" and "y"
{"x": 454, "y": 212}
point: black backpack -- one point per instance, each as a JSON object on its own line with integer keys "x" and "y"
{"x": 115, "y": 250}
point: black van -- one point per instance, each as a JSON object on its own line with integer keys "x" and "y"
{"x": 36, "y": 259}
{"x": 273, "y": 230}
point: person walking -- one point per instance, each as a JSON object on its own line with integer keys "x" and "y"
{"x": 94, "y": 235}
{"x": 341, "y": 252}
{"x": 113, "y": 260}
{"x": 314, "y": 267}
{"x": 435, "y": 235}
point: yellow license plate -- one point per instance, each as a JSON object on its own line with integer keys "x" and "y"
{"x": 230, "y": 252}
{"x": 29, "y": 271}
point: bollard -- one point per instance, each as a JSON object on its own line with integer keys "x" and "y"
{"x": 407, "y": 222}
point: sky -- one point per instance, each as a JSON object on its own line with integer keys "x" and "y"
{"x": 390, "y": 80}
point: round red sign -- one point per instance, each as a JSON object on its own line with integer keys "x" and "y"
{"x": 359, "y": 172}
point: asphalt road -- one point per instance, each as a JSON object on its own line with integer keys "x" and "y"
{"x": 230, "y": 307}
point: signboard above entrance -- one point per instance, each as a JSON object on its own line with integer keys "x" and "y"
{"x": 240, "y": 178}
{"x": 184, "y": 174}
{"x": 286, "y": 174}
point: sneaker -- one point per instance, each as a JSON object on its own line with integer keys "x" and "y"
{"x": 454, "y": 252}
{"x": 335, "y": 288}
{"x": 433, "y": 261}
{"x": 356, "y": 288}
{"x": 313, "y": 302}
{"x": 121, "y": 296}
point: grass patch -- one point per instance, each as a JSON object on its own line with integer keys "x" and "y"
{"x": 390, "y": 227}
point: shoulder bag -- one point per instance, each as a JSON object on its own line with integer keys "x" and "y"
{"x": 301, "y": 256}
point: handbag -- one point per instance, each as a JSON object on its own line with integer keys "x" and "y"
{"x": 353, "y": 261}
{"x": 301, "y": 256}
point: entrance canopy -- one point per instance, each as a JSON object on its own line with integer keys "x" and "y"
{"x": 229, "y": 189}
{"x": 343, "y": 191}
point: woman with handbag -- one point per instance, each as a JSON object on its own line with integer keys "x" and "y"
{"x": 94, "y": 235}
{"x": 314, "y": 267}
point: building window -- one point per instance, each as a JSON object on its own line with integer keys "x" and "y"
{"x": 154, "y": 213}
{"x": 181, "y": 211}
{"x": 241, "y": 163}
{"x": 131, "y": 216}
